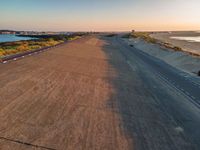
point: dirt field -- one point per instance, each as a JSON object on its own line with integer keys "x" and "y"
{"x": 84, "y": 95}
{"x": 60, "y": 100}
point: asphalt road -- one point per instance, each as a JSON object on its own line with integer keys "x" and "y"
{"x": 97, "y": 93}
{"x": 182, "y": 82}
{"x": 185, "y": 82}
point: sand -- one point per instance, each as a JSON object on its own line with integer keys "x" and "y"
{"x": 193, "y": 47}
{"x": 177, "y": 59}
{"x": 59, "y": 99}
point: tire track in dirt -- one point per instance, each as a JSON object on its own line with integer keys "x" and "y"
{"x": 27, "y": 144}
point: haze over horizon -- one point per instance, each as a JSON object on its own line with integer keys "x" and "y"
{"x": 95, "y": 15}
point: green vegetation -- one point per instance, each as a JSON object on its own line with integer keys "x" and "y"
{"x": 170, "y": 46}
{"x": 10, "y": 48}
{"x": 146, "y": 36}
{"x": 143, "y": 35}
{"x": 176, "y": 48}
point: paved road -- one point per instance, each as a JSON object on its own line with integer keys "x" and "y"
{"x": 94, "y": 93}
{"x": 183, "y": 83}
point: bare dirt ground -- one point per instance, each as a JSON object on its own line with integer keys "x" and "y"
{"x": 84, "y": 95}
{"x": 59, "y": 99}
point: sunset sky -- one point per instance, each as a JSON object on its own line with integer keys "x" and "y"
{"x": 100, "y": 15}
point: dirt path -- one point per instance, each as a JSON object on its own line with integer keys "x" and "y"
{"x": 59, "y": 99}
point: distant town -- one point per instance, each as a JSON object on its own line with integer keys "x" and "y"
{"x": 31, "y": 32}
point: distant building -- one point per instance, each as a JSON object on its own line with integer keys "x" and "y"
{"x": 31, "y": 32}
{"x": 7, "y": 32}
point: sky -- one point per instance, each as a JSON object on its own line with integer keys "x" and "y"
{"x": 100, "y": 15}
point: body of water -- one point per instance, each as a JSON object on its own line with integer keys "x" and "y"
{"x": 11, "y": 38}
{"x": 189, "y": 39}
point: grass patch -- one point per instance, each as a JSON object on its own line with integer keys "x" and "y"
{"x": 144, "y": 35}
{"x": 11, "y": 48}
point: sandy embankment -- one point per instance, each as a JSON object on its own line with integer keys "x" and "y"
{"x": 193, "y": 47}
{"x": 177, "y": 59}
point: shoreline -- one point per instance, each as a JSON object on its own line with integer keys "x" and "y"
{"x": 5, "y": 38}
{"x": 26, "y": 53}
{"x": 10, "y": 50}
{"x": 179, "y": 59}
{"x": 191, "y": 48}
{"x": 31, "y": 52}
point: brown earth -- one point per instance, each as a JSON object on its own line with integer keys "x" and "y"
{"x": 60, "y": 99}
{"x": 89, "y": 94}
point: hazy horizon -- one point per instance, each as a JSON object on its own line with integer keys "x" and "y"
{"x": 93, "y": 15}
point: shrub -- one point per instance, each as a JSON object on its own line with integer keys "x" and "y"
{"x": 176, "y": 48}
{"x": 43, "y": 44}
{"x": 144, "y": 35}
{"x": 35, "y": 47}
{"x": 73, "y": 38}
{"x": 1, "y": 53}
{"x": 10, "y": 52}
{"x": 23, "y": 47}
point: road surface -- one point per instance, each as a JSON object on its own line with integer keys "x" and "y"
{"x": 95, "y": 93}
